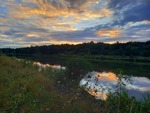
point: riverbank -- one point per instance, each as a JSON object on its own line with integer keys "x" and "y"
{"x": 23, "y": 88}
{"x": 110, "y": 58}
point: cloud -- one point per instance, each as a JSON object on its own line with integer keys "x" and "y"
{"x": 30, "y": 22}
{"x": 76, "y": 3}
{"x": 130, "y": 10}
{"x": 113, "y": 33}
{"x": 65, "y": 42}
{"x": 56, "y": 15}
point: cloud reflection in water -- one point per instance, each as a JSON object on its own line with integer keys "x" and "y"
{"x": 100, "y": 84}
{"x": 43, "y": 66}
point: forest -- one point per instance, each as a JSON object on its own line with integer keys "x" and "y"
{"x": 117, "y": 49}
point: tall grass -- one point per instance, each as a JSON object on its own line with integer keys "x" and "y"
{"x": 121, "y": 102}
{"x": 23, "y": 89}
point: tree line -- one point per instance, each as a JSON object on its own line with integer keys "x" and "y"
{"x": 90, "y": 48}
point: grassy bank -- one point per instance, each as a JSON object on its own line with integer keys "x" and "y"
{"x": 24, "y": 89}
{"x": 121, "y": 58}
{"x": 133, "y": 59}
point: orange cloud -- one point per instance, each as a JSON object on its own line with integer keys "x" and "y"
{"x": 32, "y": 35}
{"x": 113, "y": 33}
{"x": 58, "y": 42}
{"x": 57, "y": 17}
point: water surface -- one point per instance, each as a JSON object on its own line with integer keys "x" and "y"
{"x": 99, "y": 84}
{"x": 103, "y": 79}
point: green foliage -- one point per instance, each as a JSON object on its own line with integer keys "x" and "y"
{"x": 23, "y": 89}
{"x": 120, "y": 102}
{"x": 130, "y": 49}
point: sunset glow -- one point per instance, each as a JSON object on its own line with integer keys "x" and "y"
{"x": 29, "y": 22}
{"x": 109, "y": 33}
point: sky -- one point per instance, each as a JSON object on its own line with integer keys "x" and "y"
{"x": 26, "y": 23}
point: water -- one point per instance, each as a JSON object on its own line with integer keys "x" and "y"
{"x": 43, "y": 66}
{"x": 100, "y": 84}
{"x": 139, "y": 72}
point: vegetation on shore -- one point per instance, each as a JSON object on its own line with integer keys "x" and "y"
{"x": 25, "y": 89}
{"x": 130, "y": 49}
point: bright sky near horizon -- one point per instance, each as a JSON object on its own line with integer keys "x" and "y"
{"x": 44, "y": 22}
